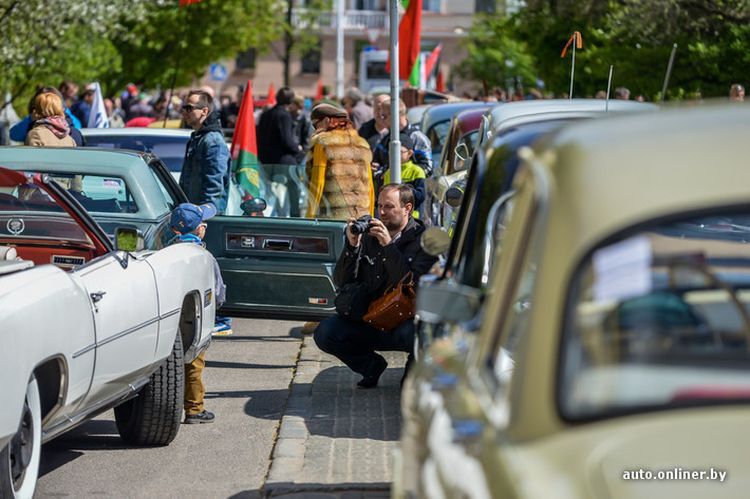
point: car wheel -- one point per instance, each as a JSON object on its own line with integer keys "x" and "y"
{"x": 19, "y": 460}
{"x": 153, "y": 416}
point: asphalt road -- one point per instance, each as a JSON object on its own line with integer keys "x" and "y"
{"x": 247, "y": 379}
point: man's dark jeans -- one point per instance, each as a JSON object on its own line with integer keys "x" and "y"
{"x": 355, "y": 343}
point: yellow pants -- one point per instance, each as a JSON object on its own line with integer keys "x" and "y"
{"x": 194, "y": 388}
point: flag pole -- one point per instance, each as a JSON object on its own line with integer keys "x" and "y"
{"x": 572, "y": 71}
{"x": 609, "y": 86}
{"x": 669, "y": 73}
{"x": 340, "y": 49}
{"x": 394, "y": 156}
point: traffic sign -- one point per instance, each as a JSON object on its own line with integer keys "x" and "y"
{"x": 218, "y": 72}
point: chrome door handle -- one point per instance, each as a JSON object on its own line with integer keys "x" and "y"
{"x": 280, "y": 244}
{"x": 96, "y": 296}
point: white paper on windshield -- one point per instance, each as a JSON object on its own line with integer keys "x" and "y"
{"x": 623, "y": 270}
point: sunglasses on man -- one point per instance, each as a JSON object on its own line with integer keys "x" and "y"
{"x": 187, "y": 108}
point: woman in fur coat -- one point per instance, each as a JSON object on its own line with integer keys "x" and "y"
{"x": 338, "y": 168}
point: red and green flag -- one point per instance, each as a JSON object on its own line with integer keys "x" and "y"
{"x": 409, "y": 34}
{"x": 245, "y": 164}
{"x": 424, "y": 68}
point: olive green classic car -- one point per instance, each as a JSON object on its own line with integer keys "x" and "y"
{"x": 613, "y": 355}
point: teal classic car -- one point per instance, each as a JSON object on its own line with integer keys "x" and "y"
{"x": 611, "y": 358}
{"x": 274, "y": 266}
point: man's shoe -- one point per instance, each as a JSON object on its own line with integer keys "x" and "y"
{"x": 309, "y": 327}
{"x": 371, "y": 380}
{"x": 201, "y": 417}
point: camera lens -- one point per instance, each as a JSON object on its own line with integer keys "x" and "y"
{"x": 361, "y": 225}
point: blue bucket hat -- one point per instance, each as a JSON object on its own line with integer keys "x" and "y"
{"x": 188, "y": 216}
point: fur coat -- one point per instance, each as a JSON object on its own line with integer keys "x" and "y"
{"x": 338, "y": 168}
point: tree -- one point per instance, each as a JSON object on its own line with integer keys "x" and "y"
{"x": 298, "y": 39}
{"x": 495, "y": 57}
{"x": 169, "y": 41}
{"x": 636, "y": 36}
{"x": 44, "y": 41}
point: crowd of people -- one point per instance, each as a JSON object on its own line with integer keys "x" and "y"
{"x": 344, "y": 148}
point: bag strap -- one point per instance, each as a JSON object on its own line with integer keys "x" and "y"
{"x": 359, "y": 257}
{"x": 410, "y": 276}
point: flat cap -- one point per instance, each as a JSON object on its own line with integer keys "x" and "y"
{"x": 327, "y": 111}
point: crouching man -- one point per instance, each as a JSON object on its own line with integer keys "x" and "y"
{"x": 371, "y": 264}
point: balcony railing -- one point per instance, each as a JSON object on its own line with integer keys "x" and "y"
{"x": 354, "y": 20}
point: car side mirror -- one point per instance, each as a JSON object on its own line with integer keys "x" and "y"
{"x": 253, "y": 206}
{"x": 435, "y": 241}
{"x": 455, "y": 194}
{"x": 444, "y": 301}
{"x": 129, "y": 239}
{"x": 462, "y": 151}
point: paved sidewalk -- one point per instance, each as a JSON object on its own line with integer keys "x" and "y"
{"x": 336, "y": 440}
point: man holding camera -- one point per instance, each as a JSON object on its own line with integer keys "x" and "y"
{"x": 378, "y": 254}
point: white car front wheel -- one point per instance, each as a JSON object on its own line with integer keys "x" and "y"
{"x": 19, "y": 460}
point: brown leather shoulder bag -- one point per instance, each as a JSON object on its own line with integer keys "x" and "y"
{"x": 394, "y": 307}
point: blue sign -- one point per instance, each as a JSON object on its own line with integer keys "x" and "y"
{"x": 218, "y": 72}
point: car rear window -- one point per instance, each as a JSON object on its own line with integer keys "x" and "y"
{"x": 171, "y": 150}
{"x": 660, "y": 319}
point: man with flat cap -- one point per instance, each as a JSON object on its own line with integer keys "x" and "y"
{"x": 338, "y": 167}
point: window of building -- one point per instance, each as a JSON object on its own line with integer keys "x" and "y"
{"x": 488, "y": 6}
{"x": 432, "y": 5}
{"x": 369, "y": 4}
{"x": 246, "y": 59}
{"x": 311, "y": 60}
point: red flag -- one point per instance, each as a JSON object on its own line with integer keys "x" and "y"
{"x": 319, "y": 91}
{"x": 187, "y": 2}
{"x": 409, "y": 34}
{"x": 440, "y": 83}
{"x": 432, "y": 60}
{"x": 271, "y": 99}
{"x": 245, "y": 148}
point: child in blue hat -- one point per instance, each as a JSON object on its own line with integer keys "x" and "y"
{"x": 188, "y": 223}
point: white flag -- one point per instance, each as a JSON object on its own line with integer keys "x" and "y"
{"x": 98, "y": 116}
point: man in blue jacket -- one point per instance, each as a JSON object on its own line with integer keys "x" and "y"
{"x": 205, "y": 170}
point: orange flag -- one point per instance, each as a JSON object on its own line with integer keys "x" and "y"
{"x": 271, "y": 99}
{"x": 574, "y": 38}
{"x": 319, "y": 91}
{"x": 440, "y": 83}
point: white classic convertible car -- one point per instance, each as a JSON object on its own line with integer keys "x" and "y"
{"x": 105, "y": 325}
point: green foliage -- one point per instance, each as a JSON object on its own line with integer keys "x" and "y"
{"x": 494, "y": 56}
{"x": 118, "y": 41}
{"x": 196, "y": 35}
{"x": 44, "y": 41}
{"x": 636, "y": 36}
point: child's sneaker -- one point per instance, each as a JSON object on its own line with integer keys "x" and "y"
{"x": 222, "y": 327}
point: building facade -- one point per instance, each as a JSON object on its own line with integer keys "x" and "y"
{"x": 366, "y": 27}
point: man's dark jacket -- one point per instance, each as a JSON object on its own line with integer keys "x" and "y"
{"x": 277, "y": 141}
{"x": 368, "y": 130}
{"x": 205, "y": 170}
{"x": 381, "y": 267}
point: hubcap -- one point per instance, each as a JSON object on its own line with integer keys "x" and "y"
{"x": 21, "y": 448}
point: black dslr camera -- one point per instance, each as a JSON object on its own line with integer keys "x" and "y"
{"x": 361, "y": 225}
